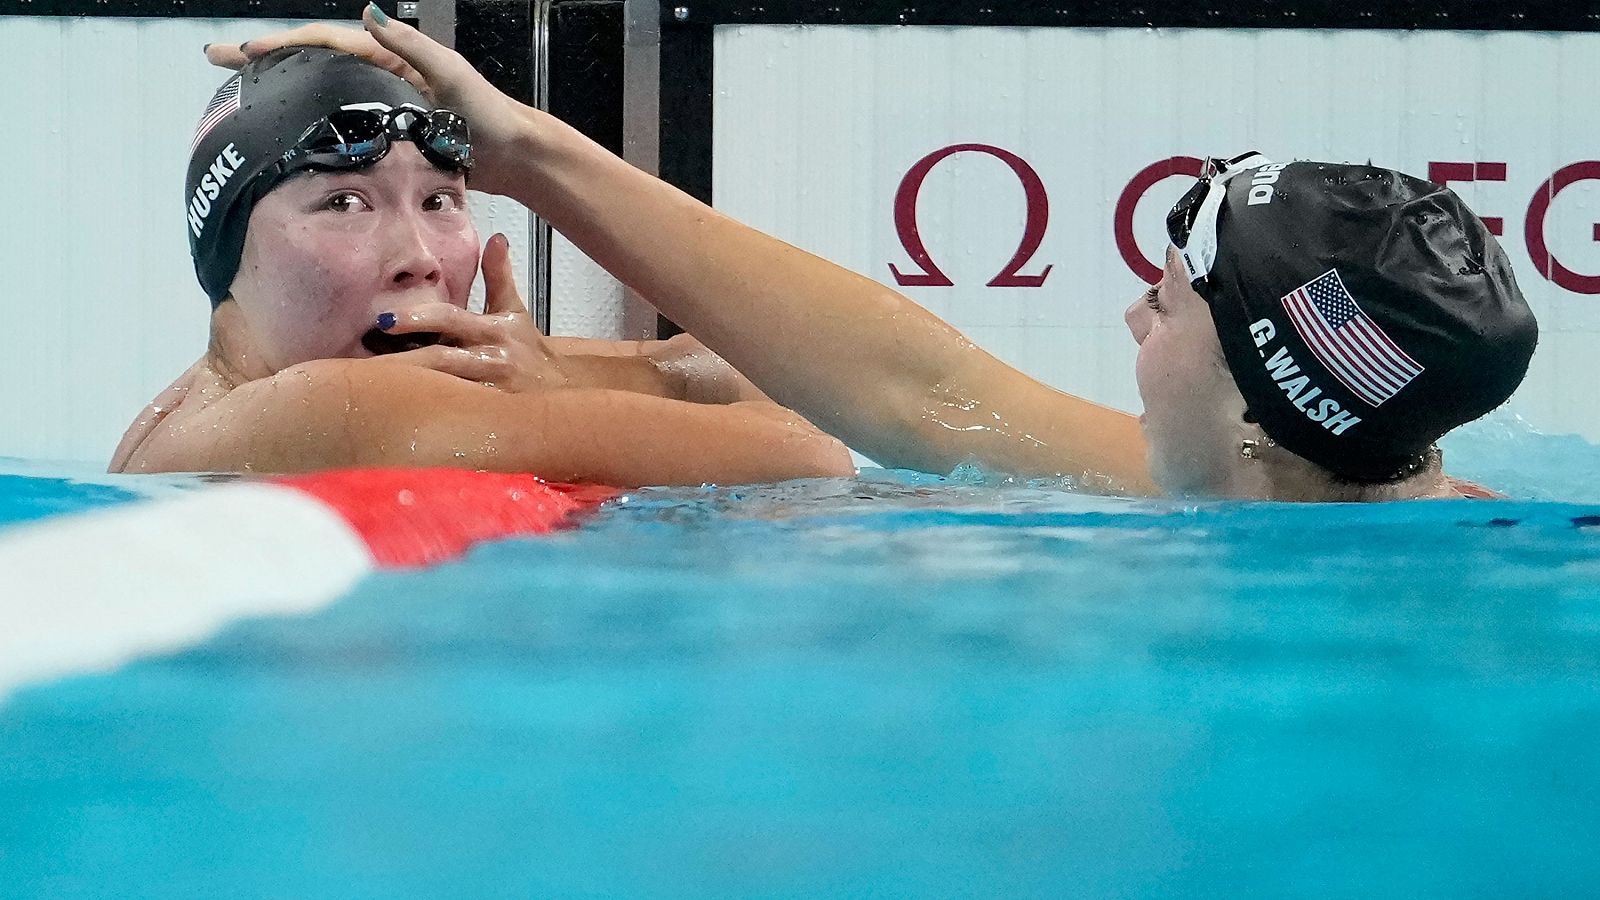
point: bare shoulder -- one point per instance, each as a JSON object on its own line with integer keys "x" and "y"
{"x": 1463, "y": 489}
{"x": 316, "y": 415}
{"x": 155, "y": 414}
{"x": 344, "y": 413}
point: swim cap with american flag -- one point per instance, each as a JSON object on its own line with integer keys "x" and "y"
{"x": 252, "y": 119}
{"x": 224, "y": 103}
{"x": 1363, "y": 313}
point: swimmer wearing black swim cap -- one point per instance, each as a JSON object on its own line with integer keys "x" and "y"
{"x": 1317, "y": 328}
{"x": 1362, "y": 313}
{"x": 294, "y": 110}
{"x": 327, "y": 212}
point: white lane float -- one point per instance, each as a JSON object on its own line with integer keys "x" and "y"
{"x": 91, "y": 591}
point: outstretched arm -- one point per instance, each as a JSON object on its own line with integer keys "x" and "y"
{"x": 857, "y": 358}
{"x": 863, "y": 362}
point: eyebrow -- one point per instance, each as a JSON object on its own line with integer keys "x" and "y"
{"x": 365, "y": 176}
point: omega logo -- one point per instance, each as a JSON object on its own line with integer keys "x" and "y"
{"x": 905, "y": 222}
{"x": 924, "y": 272}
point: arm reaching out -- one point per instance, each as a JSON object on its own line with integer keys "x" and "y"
{"x": 862, "y": 361}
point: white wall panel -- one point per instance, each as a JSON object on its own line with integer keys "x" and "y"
{"x": 99, "y": 292}
{"x": 491, "y": 214}
{"x": 816, "y": 126}
{"x": 585, "y": 301}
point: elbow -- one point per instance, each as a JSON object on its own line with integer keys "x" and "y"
{"x": 832, "y": 459}
{"x": 810, "y": 455}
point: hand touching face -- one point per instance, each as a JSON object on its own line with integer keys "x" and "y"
{"x": 325, "y": 253}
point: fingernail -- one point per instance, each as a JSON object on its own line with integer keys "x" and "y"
{"x": 206, "y": 49}
{"x": 245, "y": 48}
{"x": 385, "y": 321}
{"x": 378, "y": 15}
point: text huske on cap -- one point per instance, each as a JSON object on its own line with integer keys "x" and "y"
{"x": 224, "y": 167}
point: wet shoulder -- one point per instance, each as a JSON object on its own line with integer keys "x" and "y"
{"x": 1473, "y": 491}
{"x": 174, "y": 430}
{"x": 172, "y": 402}
{"x": 315, "y": 415}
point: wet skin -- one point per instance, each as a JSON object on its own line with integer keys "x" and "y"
{"x": 326, "y": 253}
{"x": 867, "y": 363}
{"x": 290, "y": 382}
{"x": 1193, "y": 412}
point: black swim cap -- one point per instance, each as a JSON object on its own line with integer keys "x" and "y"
{"x": 1363, "y": 313}
{"x": 251, "y": 121}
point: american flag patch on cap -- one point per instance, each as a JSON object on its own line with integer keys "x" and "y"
{"x": 1359, "y": 353}
{"x": 225, "y": 103}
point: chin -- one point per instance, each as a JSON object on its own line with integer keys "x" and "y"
{"x": 1182, "y": 478}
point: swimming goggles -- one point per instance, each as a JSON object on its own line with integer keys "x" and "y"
{"x": 1192, "y": 223}
{"x": 357, "y": 136}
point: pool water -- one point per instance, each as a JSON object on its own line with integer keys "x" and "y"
{"x": 892, "y": 686}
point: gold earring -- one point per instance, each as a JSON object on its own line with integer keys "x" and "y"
{"x": 1252, "y": 449}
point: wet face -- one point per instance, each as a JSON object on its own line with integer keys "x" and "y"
{"x": 326, "y": 252}
{"x": 1193, "y": 411}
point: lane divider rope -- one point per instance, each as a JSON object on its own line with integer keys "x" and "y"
{"x": 91, "y": 591}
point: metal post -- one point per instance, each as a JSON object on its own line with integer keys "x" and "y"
{"x": 641, "y": 123}
{"x": 641, "y": 90}
{"x": 435, "y": 18}
{"x": 543, "y": 238}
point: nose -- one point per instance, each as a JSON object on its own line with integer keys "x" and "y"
{"x": 412, "y": 261}
{"x": 1137, "y": 317}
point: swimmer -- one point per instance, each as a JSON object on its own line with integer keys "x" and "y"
{"x": 327, "y": 219}
{"x": 1317, "y": 329}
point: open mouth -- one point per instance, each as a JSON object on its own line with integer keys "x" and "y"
{"x": 381, "y": 343}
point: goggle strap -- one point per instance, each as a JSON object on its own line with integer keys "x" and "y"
{"x": 1199, "y": 252}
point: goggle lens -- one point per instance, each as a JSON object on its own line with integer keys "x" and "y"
{"x": 444, "y": 138}
{"x": 352, "y": 138}
{"x": 359, "y": 135}
{"x": 1181, "y": 219}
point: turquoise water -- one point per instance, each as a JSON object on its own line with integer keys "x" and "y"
{"x": 31, "y": 490}
{"x": 24, "y": 498}
{"x": 899, "y": 686}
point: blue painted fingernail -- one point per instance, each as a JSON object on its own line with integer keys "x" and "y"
{"x": 378, "y": 15}
{"x": 385, "y": 321}
{"x": 206, "y": 49}
{"x": 244, "y": 48}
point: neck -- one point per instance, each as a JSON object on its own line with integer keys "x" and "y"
{"x": 231, "y": 354}
{"x": 1285, "y": 476}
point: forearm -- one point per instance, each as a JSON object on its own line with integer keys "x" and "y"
{"x": 853, "y": 356}
{"x": 342, "y": 413}
{"x": 578, "y": 346}
{"x": 634, "y": 374}
{"x": 625, "y": 439}
{"x": 701, "y": 377}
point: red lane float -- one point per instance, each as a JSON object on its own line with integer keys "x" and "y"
{"x": 418, "y": 517}
{"x": 91, "y": 591}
